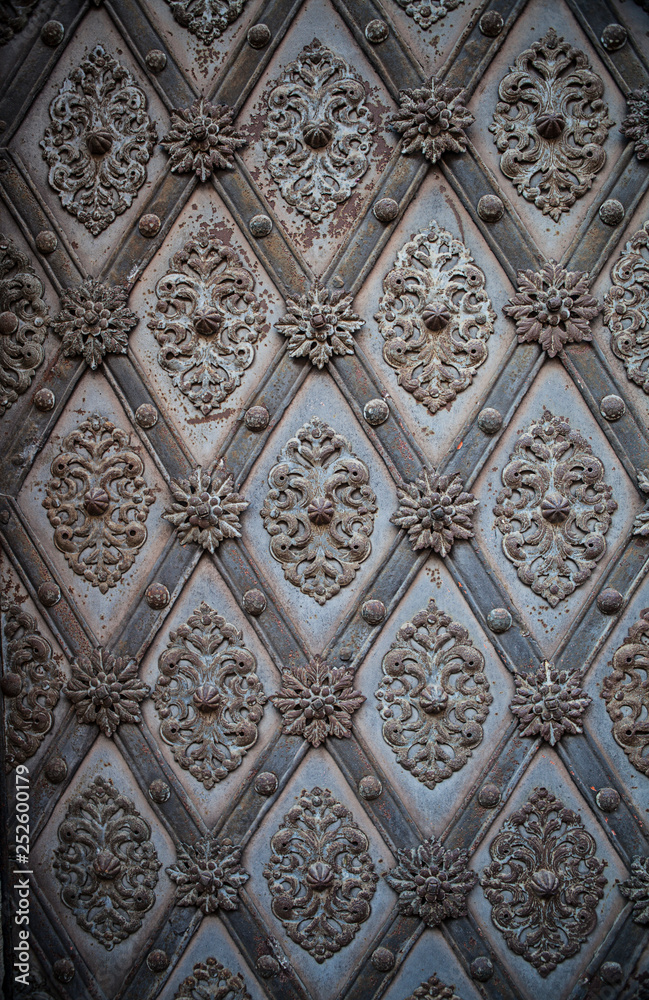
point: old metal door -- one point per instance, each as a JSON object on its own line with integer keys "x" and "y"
{"x": 324, "y": 362}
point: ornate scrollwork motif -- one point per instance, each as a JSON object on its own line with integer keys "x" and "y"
{"x": 544, "y": 882}
{"x": 319, "y": 511}
{"x": 626, "y": 308}
{"x": 435, "y": 317}
{"x": 208, "y": 875}
{"x": 31, "y": 685}
{"x": 94, "y": 321}
{"x": 428, "y": 12}
{"x": 208, "y": 321}
{"x": 208, "y": 696}
{"x": 207, "y": 19}
{"x": 202, "y": 139}
{"x": 636, "y": 888}
{"x": 205, "y": 508}
{"x": 319, "y": 132}
{"x": 641, "y": 522}
{"x": 212, "y": 981}
{"x": 636, "y": 124}
{"x": 626, "y": 693}
{"x": 106, "y": 863}
{"x": 319, "y": 324}
{"x": 434, "y": 989}
{"x": 320, "y": 874}
{"x": 432, "y": 120}
{"x": 435, "y": 510}
{"x": 317, "y": 701}
{"x": 106, "y": 690}
{"x": 23, "y": 319}
{"x": 432, "y": 882}
{"x": 555, "y": 509}
{"x": 97, "y": 502}
{"x": 100, "y": 141}
{"x": 433, "y": 697}
{"x": 550, "y": 124}
{"x": 553, "y": 307}
{"x": 549, "y": 702}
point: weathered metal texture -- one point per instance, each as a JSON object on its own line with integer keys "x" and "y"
{"x": 592, "y": 631}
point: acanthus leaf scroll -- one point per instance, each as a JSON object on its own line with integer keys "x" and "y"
{"x": 551, "y": 124}
{"x": 626, "y": 693}
{"x": 319, "y": 511}
{"x": 433, "y": 696}
{"x": 23, "y": 323}
{"x": 208, "y": 321}
{"x": 319, "y": 132}
{"x": 435, "y": 317}
{"x": 208, "y": 696}
{"x": 97, "y": 502}
{"x": 99, "y": 142}
{"x": 555, "y": 509}
{"x": 626, "y": 308}
{"x": 320, "y": 874}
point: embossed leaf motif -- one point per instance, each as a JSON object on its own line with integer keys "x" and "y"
{"x": 433, "y": 696}
{"x": 14, "y": 15}
{"x": 319, "y": 325}
{"x": 31, "y": 685}
{"x": 551, "y": 124}
{"x": 434, "y": 989}
{"x": 544, "y": 882}
{"x": 641, "y": 523}
{"x": 553, "y": 307}
{"x": 97, "y": 502}
{"x": 317, "y": 701}
{"x": 319, "y": 132}
{"x": 94, "y": 321}
{"x": 320, "y": 874}
{"x": 428, "y": 12}
{"x": 555, "y": 509}
{"x": 435, "y": 317}
{"x": 105, "y": 863}
{"x": 636, "y": 888}
{"x": 202, "y": 139}
{"x": 23, "y": 323}
{"x": 207, "y": 19}
{"x": 432, "y": 120}
{"x": 208, "y": 321}
{"x": 636, "y": 124}
{"x": 106, "y": 690}
{"x": 99, "y": 142}
{"x": 208, "y": 875}
{"x": 205, "y": 511}
{"x": 319, "y": 511}
{"x": 212, "y": 981}
{"x": 435, "y": 510}
{"x": 549, "y": 702}
{"x": 208, "y": 696}
{"x": 432, "y": 882}
{"x": 626, "y": 308}
{"x": 626, "y": 693}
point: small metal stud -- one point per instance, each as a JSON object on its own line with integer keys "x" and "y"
{"x": 46, "y": 241}
{"x": 376, "y": 412}
{"x": 49, "y": 594}
{"x": 257, "y": 418}
{"x": 481, "y": 968}
{"x": 52, "y": 33}
{"x": 157, "y": 596}
{"x": 491, "y": 23}
{"x": 612, "y": 408}
{"x": 611, "y": 212}
{"x": 157, "y": 960}
{"x": 385, "y": 209}
{"x": 614, "y": 36}
{"x": 254, "y": 602}
{"x": 373, "y": 612}
{"x": 376, "y": 31}
{"x": 44, "y": 400}
{"x": 369, "y": 787}
{"x": 146, "y": 416}
{"x": 259, "y": 35}
{"x": 490, "y": 420}
{"x": 159, "y": 791}
{"x": 609, "y": 601}
{"x": 266, "y": 783}
{"x": 491, "y": 208}
{"x": 608, "y": 799}
{"x": 489, "y": 795}
{"x": 383, "y": 959}
{"x": 149, "y": 225}
{"x": 499, "y": 620}
{"x": 260, "y": 226}
{"x": 156, "y": 60}
{"x": 56, "y": 770}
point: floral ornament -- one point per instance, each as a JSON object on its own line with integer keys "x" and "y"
{"x": 207, "y": 19}
{"x": 435, "y": 511}
{"x": 553, "y": 307}
{"x": 23, "y": 323}
{"x": 94, "y": 321}
{"x": 636, "y": 888}
{"x": 99, "y": 142}
{"x": 626, "y": 308}
{"x": 432, "y": 120}
{"x": 212, "y": 981}
{"x": 544, "y": 882}
{"x": 208, "y": 875}
{"x": 13, "y": 19}
{"x": 626, "y": 693}
{"x": 550, "y": 703}
{"x": 106, "y": 690}
{"x": 319, "y": 325}
{"x": 205, "y": 511}
{"x": 201, "y": 139}
{"x": 636, "y": 124}
{"x": 428, "y": 12}
{"x": 641, "y": 523}
{"x": 317, "y": 701}
{"x": 432, "y": 883}
{"x": 434, "y": 989}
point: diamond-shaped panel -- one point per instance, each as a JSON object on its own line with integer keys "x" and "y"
{"x": 431, "y": 956}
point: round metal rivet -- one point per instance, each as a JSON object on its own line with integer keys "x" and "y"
{"x": 56, "y": 770}
{"x": 267, "y": 966}
{"x": 8, "y": 323}
{"x": 369, "y": 787}
{"x": 266, "y": 783}
{"x": 481, "y": 968}
{"x": 609, "y": 601}
{"x": 611, "y": 973}
{"x": 614, "y": 36}
{"x": 491, "y": 23}
{"x": 4, "y": 516}
{"x": 386, "y": 209}
{"x": 373, "y": 612}
{"x": 157, "y": 596}
{"x": 10, "y": 685}
{"x": 159, "y": 791}
{"x": 608, "y": 799}
{"x": 254, "y": 602}
{"x": 52, "y": 33}
{"x": 259, "y": 36}
{"x": 491, "y": 208}
{"x": 260, "y": 225}
{"x": 49, "y": 594}
{"x": 612, "y": 408}
{"x": 44, "y": 400}
{"x": 490, "y": 420}
{"x": 611, "y": 212}
{"x": 63, "y": 970}
{"x": 149, "y": 225}
{"x": 46, "y": 241}
{"x": 146, "y": 416}
{"x": 383, "y": 959}
{"x": 156, "y": 60}
{"x": 257, "y": 418}
{"x": 376, "y": 31}
{"x": 376, "y": 412}
{"x": 157, "y": 960}
{"x": 489, "y": 795}
{"x": 499, "y": 620}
